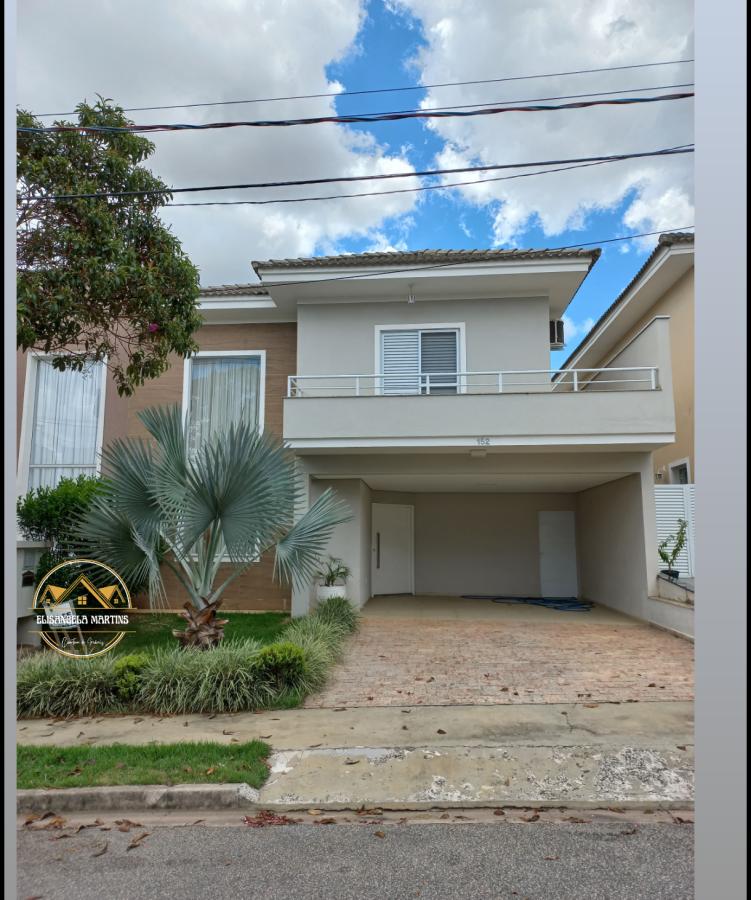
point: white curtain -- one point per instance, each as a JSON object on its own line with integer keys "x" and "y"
{"x": 222, "y": 390}
{"x": 65, "y": 427}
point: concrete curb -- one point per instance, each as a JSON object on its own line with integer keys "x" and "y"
{"x": 142, "y": 798}
{"x": 137, "y": 797}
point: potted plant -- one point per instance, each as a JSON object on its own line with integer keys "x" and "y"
{"x": 332, "y": 579}
{"x": 669, "y": 554}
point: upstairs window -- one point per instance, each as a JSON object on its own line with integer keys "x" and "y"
{"x": 420, "y": 361}
{"x": 220, "y": 389}
{"x": 63, "y": 434}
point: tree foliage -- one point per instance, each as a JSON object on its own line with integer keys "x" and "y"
{"x": 99, "y": 279}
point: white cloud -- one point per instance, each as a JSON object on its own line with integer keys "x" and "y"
{"x": 143, "y": 53}
{"x": 471, "y": 39}
{"x": 574, "y": 331}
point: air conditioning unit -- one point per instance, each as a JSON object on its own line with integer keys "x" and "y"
{"x": 556, "y": 334}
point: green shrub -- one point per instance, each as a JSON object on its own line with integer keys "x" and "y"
{"x": 51, "y": 514}
{"x": 51, "y": 685}
{"x": 220, "y": 680}
{"x": 282, "y": 666}
{"x": 321, "y": 641}
{"x": 128, "y": 673}
{"x": 339, "y": 611}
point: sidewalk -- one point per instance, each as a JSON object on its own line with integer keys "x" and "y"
{"x": 575, "y": 755}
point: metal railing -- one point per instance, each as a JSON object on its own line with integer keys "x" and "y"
{"x": 632, "y": 378}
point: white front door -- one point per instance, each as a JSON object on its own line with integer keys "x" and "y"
{"x": 558, "y": 577}
{"x": 392, "y": 549}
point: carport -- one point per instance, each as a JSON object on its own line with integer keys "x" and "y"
{"x": 531, "y": 525}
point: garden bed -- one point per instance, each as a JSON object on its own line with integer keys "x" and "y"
{"x": 239, "y": 675}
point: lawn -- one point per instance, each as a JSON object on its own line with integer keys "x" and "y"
{"x": 147, "y": 631}
{"x": 117, "y": 764}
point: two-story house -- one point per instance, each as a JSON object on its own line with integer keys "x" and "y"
{"x": 418, "y": 385}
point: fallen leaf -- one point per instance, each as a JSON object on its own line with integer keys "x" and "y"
{"x": 314, "y": 812}
{"x": 313, "y": 746}
{"x": 224, "y": 731}
{"x": 187, "y": 769}
{"x": 440, "y": 731}
{"x": 234, "y": 741}
{"x": 198, "y": 821}
{"x": 54, "y": 822}
{"x": 265, "y": 737}
{"x": 576, "y": 820}
{"x": 630, "y": 830}
{"x": 533, "y": 818}
{"x": 404, "y": 728}
{"x": 591, "y": 705}
{"x": 265, "y": 817}
{"x": 211, "y": 770}
{"x": 136, "y": 721}
{"x": 327, "y": 821}
{"x": 616, "y": 809}
{"x": 136, "y": 842}
{"x": 430, "y": 679}
{"x": 94, "y": 824}
{"x": 651, "y": 684}
{"x": 498, "y": 812}
{"x": 102, "y": 851}
{"x": 380, "y": 834}
{"x": 339, "y": 708}
{"x": 351, "y": 762}
{"x": 185, "y": 724}
{"x": 551, "y": 857}
{"x": 681, "y": 746}
{"x": 126, "y": 824}
{"x": 445, "y": 816}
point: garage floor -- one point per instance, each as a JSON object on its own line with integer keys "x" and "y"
{"x": 445, "y": 651}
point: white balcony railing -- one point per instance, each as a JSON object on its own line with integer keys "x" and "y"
{"x": 634, "y": 378}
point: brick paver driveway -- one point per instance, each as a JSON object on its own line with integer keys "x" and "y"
{"x": 398, "y": 661}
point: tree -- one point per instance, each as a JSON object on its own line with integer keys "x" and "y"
{"x": 230, "y": 501}
{"x": 102, "y": 278}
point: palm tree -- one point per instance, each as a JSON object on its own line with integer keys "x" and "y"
{"x": 229, "y": 501}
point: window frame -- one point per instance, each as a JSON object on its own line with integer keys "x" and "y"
{"x": 458, "y": 327}
{"x": 677, "y": 464}
{"x": 225, "y": 354}
{"x": 23, "y": 467}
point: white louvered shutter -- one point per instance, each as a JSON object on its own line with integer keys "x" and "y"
{"x": 673, "y": 502}
{"x": 439, "y": 358}
{"x": 400, "y": 359}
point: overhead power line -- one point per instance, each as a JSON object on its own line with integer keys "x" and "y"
{"x": 426, "y": 187}
{"x": 379, "y": 177}
{"x": 448, "y": 265}
{"x": 349, "y": 120}
{"x": 391, "y": 90}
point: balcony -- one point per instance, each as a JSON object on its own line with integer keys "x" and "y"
{"x": 608, "y": 408}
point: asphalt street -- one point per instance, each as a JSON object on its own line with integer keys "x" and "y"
{"x": 538, "y": 861}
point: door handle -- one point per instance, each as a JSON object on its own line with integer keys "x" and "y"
{"x": 378, "y": 549}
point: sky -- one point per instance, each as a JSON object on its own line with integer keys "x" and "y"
{"x": 146, "y": 53}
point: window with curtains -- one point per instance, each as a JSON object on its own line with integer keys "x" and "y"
{"x": 65, "y": 427}
{"x": 223, "y": 389}
{"x": 420, "y": 361}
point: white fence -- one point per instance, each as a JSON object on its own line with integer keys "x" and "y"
{"x": 673, "y": 502}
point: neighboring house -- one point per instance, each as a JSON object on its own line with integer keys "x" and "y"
{"x": 663, "y": 287}
{"x": 418, "y": 385}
